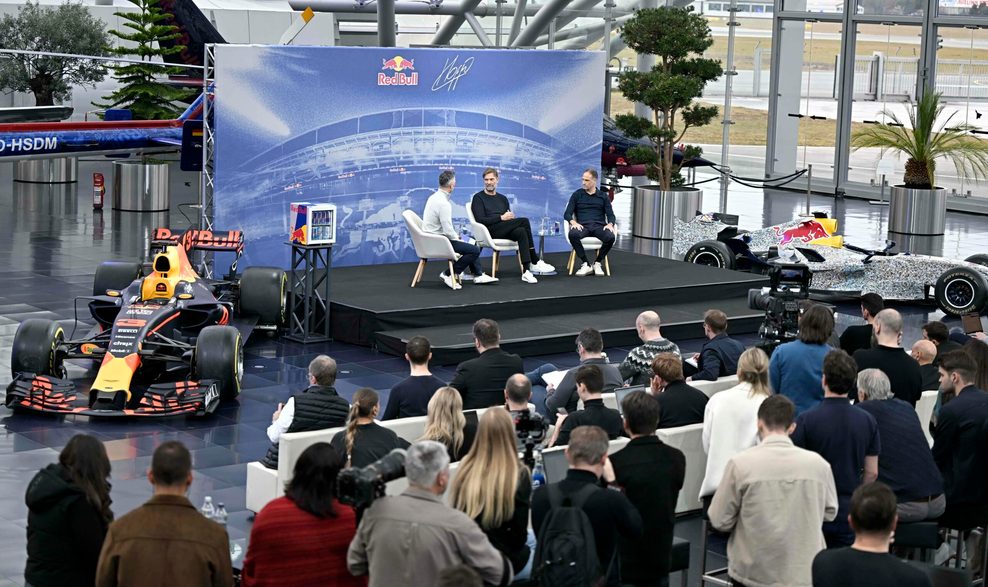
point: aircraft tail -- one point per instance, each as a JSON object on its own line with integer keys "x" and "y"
{"x": 195, "y": 32}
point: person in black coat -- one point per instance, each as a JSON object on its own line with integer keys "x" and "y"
{"x": 860, "y": 336}
{"x": 651, "y": 474}
{"x": 888, "y": 356}
{"x": 719, "y": 355}
{"x": 680, "y": 404}
{"x": 480, "y": 381}
{"x": 68, "y": 516}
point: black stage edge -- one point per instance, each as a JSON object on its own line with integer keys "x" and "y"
{"x": 374, "y": 305}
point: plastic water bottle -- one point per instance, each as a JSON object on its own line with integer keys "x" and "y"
{"x": 221, "y": 515}
{"x": 538, "y": 473}
{"x": 207, "y": 509}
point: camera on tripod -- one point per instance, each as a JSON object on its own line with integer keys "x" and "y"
{"x": 360, "y": 487}
{"x": 530, "y": 429}
{"x": 781, "y": 301}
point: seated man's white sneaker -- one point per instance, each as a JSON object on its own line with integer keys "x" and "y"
{"x": 584, "y": 270}
{"x": 449, "y": 281}
{"x": 527, "y": 277}
{"x": 543, "y": 267}
{"x": 597, "y": 269}
{"x": 484, "y": 278}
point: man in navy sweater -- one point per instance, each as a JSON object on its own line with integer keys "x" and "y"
{"x": 493, "y": 210}
{"x": 589, "y": 213}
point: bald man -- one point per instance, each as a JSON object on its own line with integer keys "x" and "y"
{"x": 637, "y": 367}
{"x": 925, "y": 352}
{"x": 889, "y": 356}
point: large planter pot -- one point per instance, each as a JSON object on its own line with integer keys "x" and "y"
{"x": 49, "y": 170}
{"x": 917, "y": 211}
{"x": 654, "y": 210}
{"x": 140, "y": 187}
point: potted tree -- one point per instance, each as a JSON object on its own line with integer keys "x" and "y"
{"x": 919, "y": 206}
{"x": 677, "y": 37}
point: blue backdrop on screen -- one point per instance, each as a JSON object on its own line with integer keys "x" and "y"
{"x": 370, "y": 129}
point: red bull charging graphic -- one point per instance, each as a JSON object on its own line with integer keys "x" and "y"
{"x": 398, "y": 65}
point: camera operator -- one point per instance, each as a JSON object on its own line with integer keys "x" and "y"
{"x": 530, "y": 426}
{"x": 409, "y": 539}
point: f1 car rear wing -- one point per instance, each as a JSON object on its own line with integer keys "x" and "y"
{"x": 200, "y": 240}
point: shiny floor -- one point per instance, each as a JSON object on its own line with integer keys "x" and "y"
{"x": 55, "y": 241}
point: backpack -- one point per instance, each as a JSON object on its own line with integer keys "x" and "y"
{"x": 566, "y": 554}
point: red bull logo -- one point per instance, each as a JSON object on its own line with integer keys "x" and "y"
{"x": 399, "y": 65}
{"x": 804, "y": 232}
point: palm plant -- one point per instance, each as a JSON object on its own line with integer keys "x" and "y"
{"x": 924, "y": 140}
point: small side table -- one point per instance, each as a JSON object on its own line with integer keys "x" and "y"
{"x": 542, "y": 234}
{"x": 308, "y": 305}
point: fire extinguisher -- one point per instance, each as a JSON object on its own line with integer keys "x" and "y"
{"x": 98, "y": 191}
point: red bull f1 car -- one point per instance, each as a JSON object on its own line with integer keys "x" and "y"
{"x": 167, "y": 341}
{"x": 840, "y": 271}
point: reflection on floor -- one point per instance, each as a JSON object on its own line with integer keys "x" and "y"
{"x": 55, "y": 241}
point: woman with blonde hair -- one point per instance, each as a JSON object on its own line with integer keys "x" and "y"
{"x": 446, "y": 423}
{"x": 364, "y": 440}
{"x": 494, "y": 488}
{"x": 730, "y": 421}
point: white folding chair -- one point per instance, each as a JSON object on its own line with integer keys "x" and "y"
{"x": 590, "y": 243}
{"x": 498, "y": 245}
{"x": 428, "y": 245}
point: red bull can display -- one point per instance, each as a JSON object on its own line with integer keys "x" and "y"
{"x": 312, "y": 224}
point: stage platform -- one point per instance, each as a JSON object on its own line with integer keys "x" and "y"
{"x": 374, "y": 305}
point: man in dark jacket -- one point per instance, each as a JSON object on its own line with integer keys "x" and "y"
{"x": 166, "y": 541}
{"x": 719, "y": 355}
{"x": 589, "y": 382}
{"x": 59, "y": 514}
{"x": 651, "y": 474}
{"x": 317, "y": 408}
{"x": 590, "y": 347}
{"x": 859, "y": 336}
{"x": 480, "y": 381}
{"x": 680, "y": 404}
{"x": 889, "y": 356}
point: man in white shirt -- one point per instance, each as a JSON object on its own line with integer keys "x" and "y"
{"x": 438, "y": 219}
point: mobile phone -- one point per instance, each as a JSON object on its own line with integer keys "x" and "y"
{"x": 972, "y": 323}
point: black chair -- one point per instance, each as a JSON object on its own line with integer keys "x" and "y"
{"x": 962, "y": 526}
{"x": 680, "y": 559}
{"x": 924, "y": 536}
{"x": 713, "y": 576}
{"x": 944, "y": 576}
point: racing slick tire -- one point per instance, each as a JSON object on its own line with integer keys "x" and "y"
{"x": 960, "y": 291}
{"x": 35, "y": 348}
{"x": 220, "y": 356}
{"x": 711, "y": 253}
{"x": 979, "y": 259}
{"x": 264, "y": 292}
{"x": 116, "y": 275}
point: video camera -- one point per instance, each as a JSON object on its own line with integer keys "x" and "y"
{"x": 360, "y": 487}
{"x": 530, "y": 428}
{"x": 789, "y": 286}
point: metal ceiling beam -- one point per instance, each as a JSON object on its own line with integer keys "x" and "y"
{"x": 516, "y": 21}
{"x": 386, "y": 23}
{"x": 479, "y": 30}
{"x": 540, "y": 22}
{"x": 453, "y": 23}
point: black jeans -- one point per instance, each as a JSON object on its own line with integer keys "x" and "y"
{"x": 520, "y": 231}
{"x": 593, "y": 229}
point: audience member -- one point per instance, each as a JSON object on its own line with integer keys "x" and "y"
{"x": 730, "y": 420}
{"x": 796, "y": 367}
{"x": 843, "y": 435}
{"x": 410, "y": 397}
{"x": 302, "y": 537}
{"x": 906, "y": 465}
{"x": 68, "y": 514}
{"x": 889, "y": 356}
{"x": 494, "y": 489}
{"x": 589, "y": 385}
{"x": 166, "y": 541}
{"x": 859, "y": 336}
{"x": 938, "y": 333}
{"x": 409, "y": 539}
{"x": 978, "y": 351}
{"x": 636, "y": 369}
{"x": 925, "y": 352}
{"x": 609, "y": 512}
{"x": 446, "y": 423}
{"x": 365, "y": 441}
{"x": 459, "y": 576}
{"x": 651, "y": 473}
{"x": 867, "y": 562}
{"x": 720, "y": 353}
{"x": 590, "y": 347}
{"x": 774, "y": 499}
{"x": 960, "y": 442}
{"x": 680, "y": 404}
{"x": 481, "y": 380}
{"x": 316, "y": 408}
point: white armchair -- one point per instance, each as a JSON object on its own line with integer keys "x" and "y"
{"x": 590, "y": 243}
{"x": 498, "y": 245}
{"x": 427, "y": 245}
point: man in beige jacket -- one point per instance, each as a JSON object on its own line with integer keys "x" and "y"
{"x": 774, "y": 499}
